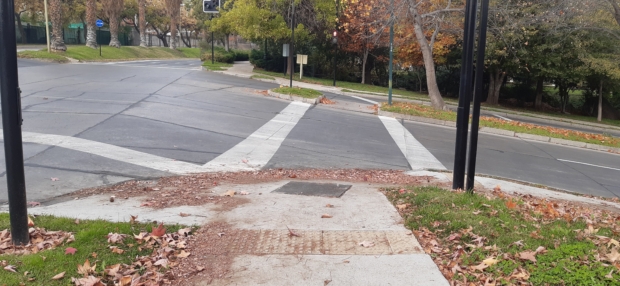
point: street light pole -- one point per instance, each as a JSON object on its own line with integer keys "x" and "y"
{"x": 212, "y": 42}
{"x": 465, "y": 90}
{"x": 391, "y": 52}
{"x": 47, "y": 27}
{"x": 475, "y": 120}
{"x": 11, "y": 125}
{"x": 292, "y": 47}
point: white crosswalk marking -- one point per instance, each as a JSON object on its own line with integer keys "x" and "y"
{"x": 255, "y": 151}
{"x": 418, "y": 157}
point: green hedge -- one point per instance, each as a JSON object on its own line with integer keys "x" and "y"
{"x": 221, "y": 55}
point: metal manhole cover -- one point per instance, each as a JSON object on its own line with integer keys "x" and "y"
{"x": 313, "y": 189}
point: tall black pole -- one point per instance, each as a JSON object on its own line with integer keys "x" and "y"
{"x": 292, "y": 47}
{"x": 99, "y": 44}
{"x": 391, "y": 52}
{"x": 11, "y": 125}
{"x": 212, "y": 42}
{"x": 465, "y": 89}
{"x": 473, "y": 137}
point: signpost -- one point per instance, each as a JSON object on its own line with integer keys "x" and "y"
{"x": 212, "y": 7}
{"x": 285, "y": 53}
{"x": 99, "y": 24}
{"x": 302, "y": 60}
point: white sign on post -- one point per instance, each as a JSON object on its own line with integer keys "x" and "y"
{"x": 285, "y": 50}
{"x": 302, "y": 60}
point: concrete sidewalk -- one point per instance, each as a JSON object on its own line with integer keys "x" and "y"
{"x": 355, "y": 239}
{"x": 327, "y": 250}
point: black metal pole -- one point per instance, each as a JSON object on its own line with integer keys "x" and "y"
{"x": 212, "y": 43}
{"x": 475, "y": 120}
{"x": 98, "y": 39}
{"x": 292, "y": 47}
{"x": 334, "y": 64}
{"x": 11, "y": 125}
{"x": 465, "y": 89}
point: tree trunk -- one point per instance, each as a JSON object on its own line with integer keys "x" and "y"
{"x": 495, "y": 85}
{"x": 114, "y": 42}
{"x": 364, "y": 60}
{"x": 539, "y": 94}
{"x": 142, "y": 22}
{"x": 173, "y": 32}
{"x": 429, "y": 64}
{"x": 58, "y": 43}
{"x": 22, "y": 31}
{"x": 227, "y": 42}
{"x": 599, "y": 118}
{"x": 91, "y": 19}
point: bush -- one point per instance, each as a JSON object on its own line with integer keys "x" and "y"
{"x": 221, "y": 55}
{"x": 241, "y": 56}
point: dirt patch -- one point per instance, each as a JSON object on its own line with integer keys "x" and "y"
{"x": 194, "y": 190}
{"x": 210, "y": 258}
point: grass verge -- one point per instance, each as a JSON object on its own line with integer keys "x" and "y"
{"x": 499, "y": 240}
{"x": 263, "y": 77}
{"x": 91, "y": 243}
{"x": 217, "y": 66}
{"x": 84, "y": 53}
{"x": 352, "y": 86}
{"x": 44, "y": 55}
{"x": 298, "y": 91}
{"x": 519, "y": 127}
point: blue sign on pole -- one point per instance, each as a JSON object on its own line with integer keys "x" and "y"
{"x": 99, "y": 23}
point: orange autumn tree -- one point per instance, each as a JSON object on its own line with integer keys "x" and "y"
{"x": 364, "y": 27}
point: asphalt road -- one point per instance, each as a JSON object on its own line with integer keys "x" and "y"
{"x": 92, "y": 124}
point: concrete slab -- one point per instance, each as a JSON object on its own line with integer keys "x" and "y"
{"x": 413, "y": 269}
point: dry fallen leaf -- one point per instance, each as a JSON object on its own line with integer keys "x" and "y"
{"x": 490, "y": 261}
{"x": 199, "y": 268}
{"x": 511, "y": 204}
{"x": 116, "y": 250}
{"x": 528, "y": 255}
{"x": 86, "y": 269}
{"x": 112, "y": 269}
{"x": 162, "y": 262}
{"x": 184, "y": 214}
{"x": 116, "y": 238}
{"x": 125, "y": 280}
{"x": 184, "y": 231}
{"x": 59, "y": 276}
{"x": 77, "y": 221}
{"x": 30, "y": 222}
{"x": 244, "y": 193}
{"x": 480, "y": 266}
{"x": 613, "y": 256}
{"x": 70, "y": 250}
{"x": 10, "y": 268}
{"x": 34, "y": 204}
{"x": 366, "y": 243}
{"x": 183, "y": 254}
{"x": 329, "y": 206}
{"x": 159, "y": 231}
{"x": 54, "y": 179}
{"x": 401, "y": 207}
{"x": 326, "y": 216}
{"x": 133, "y": 219}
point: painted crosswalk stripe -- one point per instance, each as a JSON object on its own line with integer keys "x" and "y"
{"x": 254, "y": 152}
{"x": 417, "y": 155}
{"x": 112, "y": 152}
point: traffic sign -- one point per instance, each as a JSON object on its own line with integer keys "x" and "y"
{"x": 210, "y": 6}
{"x": 99, "y": 23}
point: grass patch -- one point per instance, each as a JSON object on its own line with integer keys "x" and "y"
{"x": 263, "y": 77}
{"x": 217, "y": 66}
{"x": 90, "y": 237}
{"x": 44, "y": 55}
{"x": 190, "y": 52}
{"x": 534, "y": 113}
{"x": 462, "y": 230}
{"x": 350, "y": 86}
{"x": 519, "y": 127}
{"x": 298, "y": 91}
{"x": 84, "y": 53}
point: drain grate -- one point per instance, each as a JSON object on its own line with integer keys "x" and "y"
{"x": 313, "y": 189}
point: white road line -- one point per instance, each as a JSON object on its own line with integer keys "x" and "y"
{"x": 581, "y": 163}
{"x": 112, "y": 152}
{"x": 364, "y": 99}
{"x": 255, "y": 151}
{"x": 418, "y": 157}
{"x": 501, "y": 117}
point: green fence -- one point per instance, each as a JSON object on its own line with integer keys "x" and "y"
{"x": 36, "y": 35}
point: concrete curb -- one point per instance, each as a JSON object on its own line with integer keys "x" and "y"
{"x": 314, "y": 101}
{"x": 502, "y": 132}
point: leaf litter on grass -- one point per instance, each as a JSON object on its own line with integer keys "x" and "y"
{"x": 491, "y": 238}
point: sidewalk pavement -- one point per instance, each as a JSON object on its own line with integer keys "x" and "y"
{"x": 355, "y": 239}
